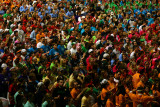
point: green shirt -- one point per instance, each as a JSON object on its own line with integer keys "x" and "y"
{"x": 52, "y": 65}
{"x": 10, "y": 31}
{"x": 83, "y": 48}
{"x": 6, "y": 15}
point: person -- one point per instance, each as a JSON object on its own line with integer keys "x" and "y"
{"x": 105, "y": 46}
{"x": 47, "y": 101}
{"x": 19, "y": 96}
{"x": 60, "y": 93}
{"x": 86, "y": 99}
{"x": 33, "y": 34}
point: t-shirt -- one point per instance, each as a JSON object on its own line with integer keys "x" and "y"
{"x": 44, "y": 104}
{"x": 29, "y": 104}
{"x": 73, "y": 51}
{"x": 103, "y": 93}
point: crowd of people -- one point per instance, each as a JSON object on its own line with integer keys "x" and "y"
{"x": 80, "y": 53}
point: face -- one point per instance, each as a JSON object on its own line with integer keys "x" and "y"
{"x": 61, "y": 83}
{"x": 55, "y": 46}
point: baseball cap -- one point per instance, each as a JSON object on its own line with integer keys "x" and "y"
{"x": 4, "y": 65}
{"x": 23, "y": 50}
{"x": 105, "y": 55}
{"x": 104, "y": 81}
{"x": 90, "y": 50}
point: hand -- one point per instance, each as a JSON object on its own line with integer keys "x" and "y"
{"x": 58, "y": 97}
{"x": 65, "y": 98}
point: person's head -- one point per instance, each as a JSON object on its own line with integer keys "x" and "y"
{"x": 74, "y": 45}
{"x": 16, "y": 33}
{"x": 23, "y": 52}
{"x": 36, "y": 30}
{"x": 104, "y": 83}
{"x": 7, "y": 11}
{"x": 111, "y": 78}
{"x": 46, "y": 83}
{"x": 91, "y": 52}
{"x": 60, "y": 82}
{"x": 32, "y": 77}
{"x": 19, "y": 26}
{"x": 87, "y": 92}
{"x": 55, "y": 46}
{"x": 143, "y": 28}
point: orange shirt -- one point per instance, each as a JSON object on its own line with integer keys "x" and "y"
{"x": 158, "y": 93}
{"x": 139, "y": 98}
{"x": 140, "y": 84}
{"x": 103, "y": 93}
{"x": 39, "y": 36}
{"x": 159, "y": 75}
{"x": 74, "y": 93}
{"x": 120, "y": 99}
{"x": 111, "y": 85}
{"x": 7, "y": 1}
{"x": 109, "y": 103}
{"x": 135, "y": 79}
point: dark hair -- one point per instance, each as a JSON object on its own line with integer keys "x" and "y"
{"x": 121, "y": 90}
{"x": 60, "y": 78}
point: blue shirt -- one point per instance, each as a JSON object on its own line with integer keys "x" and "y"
{"x": 22, "y": 9}
{"x": 120, "y": 57}
{"x": 32, "y": 50}
{"x": 53, "y": 52}
{"x": 45, "y": 48}
{"x": 33, "y": 35}
{"x": 61, "y": 49}
{"x": 150, "y": 21}
{"x": 31, "y": 9}
{"x": 80, "y": 26}
{"x": 82, "y": 31}
{"x": 49, "y": 9}
{"x": 54, "y": 15}
{"x": 39, "y": 13}
{"x": 112, "y": 62}
{"x": 70, "y": 13}
{"x": 41, "y": 16}
{"x": 1, "y": 51}
{"x": 2, "y": 12}
{"x": 93, "y": 29}
{"x": 136, "y": 10}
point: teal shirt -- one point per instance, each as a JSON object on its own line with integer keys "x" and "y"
{"x": 28, "y": 104}
{"x": 45, "y": 104}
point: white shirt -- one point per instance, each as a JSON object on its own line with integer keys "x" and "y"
{"x": 132, "y": 55}
{"x": 117, "y": 52}
{"x": 20, "y": 34}
{"x": 69, "y": 45}
{"x": 73, "y": 51}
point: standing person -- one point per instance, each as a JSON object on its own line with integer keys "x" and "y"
{"x": 60, "y": 93}
{"x": 120, "y": 96}
{"x": 19, "y": 96}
